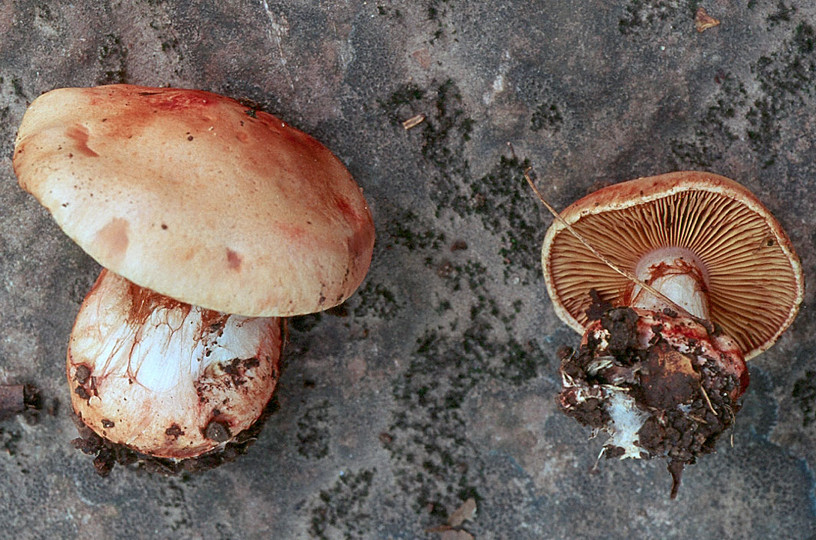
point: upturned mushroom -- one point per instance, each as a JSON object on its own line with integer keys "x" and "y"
{"x": 691, "y": 276}
{"x": 213, "y": 222}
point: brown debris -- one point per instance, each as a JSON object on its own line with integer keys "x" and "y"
{"x": 668, "y": 378}
{"x": 598, "y": 306}
{"x": 459, "y": 245}
{"x": 445, "y": 269}
{"x": 703, "y": 21}
{"x": 20, "y": 399}
{"x": 463, "y": 513}
{"x": 414, "y": 121}
{"x": 687, "y": 395}
{"x": 11, "y": 400}
{"x": 451, "y": 530}
{"x": 108, "y": 454}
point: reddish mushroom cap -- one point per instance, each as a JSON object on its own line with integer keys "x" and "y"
{"x": 198, "y": 197}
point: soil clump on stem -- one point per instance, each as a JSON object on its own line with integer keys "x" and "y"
{"x": 654, "y": 398}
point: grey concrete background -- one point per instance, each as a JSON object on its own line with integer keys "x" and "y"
{"x": 436, "y": 381}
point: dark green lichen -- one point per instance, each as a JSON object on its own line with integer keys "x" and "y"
{"x": 510, "y": 210}
{"x": 473, "y": 340}
{"x": 112, "y": 56}
{"x": 340, "y": 510}
{"x": 436, "y": 11}
{"x": 546, "y": 117}
{"x": 377, "y": 300}
{"x": 644, "y": 18}
{"x": 313, "y": 431}
{"x": 443, "y": 134}
{"x": 783, "y": 14}
{"x": 408, "y": 231}
{"x": 785, "y": 78}
{"x": 804, "y": 395}
{"x": 499, "y": 198}
{"x": 175, "y": 509}
{"x": 405, "y": 102}
{"x": 428, "y": 435}
{"x": 713, "y": 133}
{"x": 390, "y": 12}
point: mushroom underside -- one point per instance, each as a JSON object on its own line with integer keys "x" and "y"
{"x": 749, "y": 274}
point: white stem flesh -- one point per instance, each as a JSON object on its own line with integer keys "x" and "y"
{"x": 157, "y": 380}
{"x": 676, "y": 273}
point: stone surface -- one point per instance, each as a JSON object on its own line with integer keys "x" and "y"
{"x": 435, "y": 383}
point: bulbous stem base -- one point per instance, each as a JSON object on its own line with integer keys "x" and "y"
{"x": 661, "y": 385}
{"x": 165, "y": 378}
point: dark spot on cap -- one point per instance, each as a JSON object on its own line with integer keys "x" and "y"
{"x": 81, "y": 136}
{"x": 82, "y": 393}
{"x": 107, "y": 423}
{"x": 233, "y": 260}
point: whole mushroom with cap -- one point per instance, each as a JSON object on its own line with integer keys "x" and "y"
{"x": 213, "y": 222}
{"x": 661, "y": 368}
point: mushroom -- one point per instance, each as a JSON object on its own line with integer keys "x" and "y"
{"x": 661, "y": 368}
{"x": 213, "y": 222}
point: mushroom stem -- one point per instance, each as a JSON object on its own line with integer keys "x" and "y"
{"x": 678, "y": 274}
{"x": 165, "y": 378}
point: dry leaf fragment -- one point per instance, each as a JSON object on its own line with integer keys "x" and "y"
{"x": 413, "y": 121}
{"x": 463, "y": 513}
{"x": 450, "y": 531}
{"x": 703, "y": 21}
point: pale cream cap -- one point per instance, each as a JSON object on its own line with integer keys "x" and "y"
{"x": 198, "y": 197}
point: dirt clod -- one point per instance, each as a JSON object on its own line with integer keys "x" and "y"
{"x": 22, "y": 399}
{"x": 217, "y": 431}
{"x": 82, "y": 373}
{"x": 678, "y": 401}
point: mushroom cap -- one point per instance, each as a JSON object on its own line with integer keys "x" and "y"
{"x": 755, "y": 281}
{"x": 198, "y": 197}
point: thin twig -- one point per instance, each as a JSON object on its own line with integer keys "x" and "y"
{"x": 628, "y": 275}
{"x": 413, "y": 122}
{"x": 705, "y": 395}
{"x": 598, "y": 460}
{"x": 733, "y": 424}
